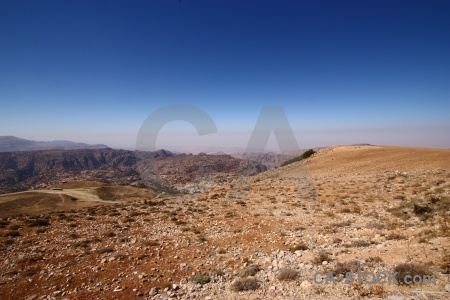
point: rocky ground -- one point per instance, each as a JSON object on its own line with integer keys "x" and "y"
{"x": 371, "y": 209}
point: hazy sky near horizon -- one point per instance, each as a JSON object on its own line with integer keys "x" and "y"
{"x": 344, "y": 72}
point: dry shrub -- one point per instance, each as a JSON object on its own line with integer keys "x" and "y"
{"x": 38, "y": 222}
{"x": 12, "y": 233}
{"x": 105, "y": 250}
{"x": 287, "y": 274}
{"x": 321, "y": 257}
{"x": 367, "y": 291}
{"x": 301, "y": 246}
{"x": 250, "y": 271}
{"x": 244, "y": 284}
{"x": 411, "y": 269}
{"x": 395, "y": 236}
{"x": 348, "y": 266}
{"x": 200, "y": 279}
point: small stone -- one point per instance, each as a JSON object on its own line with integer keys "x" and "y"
{"x": 396, "y": 298}
{"x": 447, "y": 287}
{"x": 324, "y": 263}
{"x": 154, "y": 291}
{"x": 305, "y": 284}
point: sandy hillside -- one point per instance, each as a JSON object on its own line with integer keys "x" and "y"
{"x": 343, "y": 160}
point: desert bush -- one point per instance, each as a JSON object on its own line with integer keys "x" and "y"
{"x": 301, "y": 246}
{"x": 420, "y": 210}
{"x": 360, "y": 243}
{"x": 28, "y": 274}
{"x": 348, "y": 266}
{"x": 411, "y": 269}
{"x": 287, "y": 274}
{"x": 395, "y": 236}
{"x": 142, "y": 256}
{"x": 121, "y": 256}
{"x": 244, "y": 284}
{"x": 4, "y": 223}
{"x": 13, "y": 233}
{"x": 195, "y": 230}
{"x": 341, "y": 224}
{"x": 367, "y": 291}
{"x": 82, "y": 244}
{"x": 374, "y": 259}
{"x": 200, "y": 279}
{"x": 38, "y": 222}
{"x": 250, "y": 271}
{"x": 321, "y": 257}
{"x": 105, "y": 250}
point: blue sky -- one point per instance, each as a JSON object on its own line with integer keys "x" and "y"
{"x": 344, "y": 71}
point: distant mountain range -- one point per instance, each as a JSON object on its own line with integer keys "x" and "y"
{"x": 12, "y": 143}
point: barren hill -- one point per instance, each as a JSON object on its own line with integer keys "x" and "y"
{"x": 373, "y": 159}
{"x": 345, "y": 209}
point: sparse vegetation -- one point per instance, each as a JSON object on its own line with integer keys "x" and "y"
{"x": 301, "y": 246}
{"x": 411, "y": 269}
{"x": 305, "y": 155}
{"x": 105, "y": 250}
{"x": 321, "y": 257}
{"x": 287, "y": 274}
{"x": 348, "y": 266}
{"x": 395, "y": 236}
{"x": 38, "y": 222}
{"x": 200, "y": 279}
{"x": 244, "y": 284}
{"x": 250, "y": 271}
{"x": 12, "y": 233}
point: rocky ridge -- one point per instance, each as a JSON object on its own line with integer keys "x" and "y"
{"x": 160, "y": 169}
